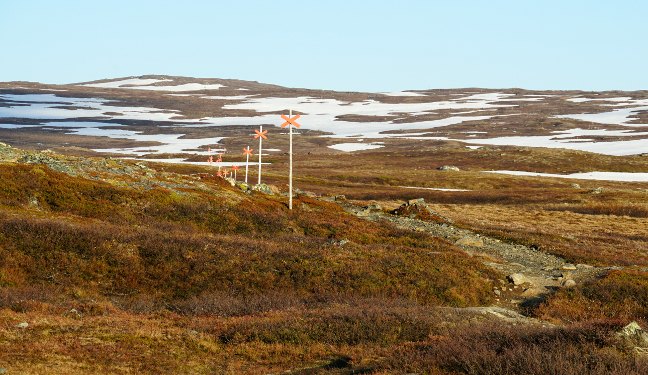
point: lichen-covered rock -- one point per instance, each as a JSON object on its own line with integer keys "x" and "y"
{"x": 266, "y": 189}
{"x": 634, "y": 336}
{"x": 49, "y": 161}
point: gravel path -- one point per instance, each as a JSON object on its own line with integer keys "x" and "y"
{"x": 531, "y": 274}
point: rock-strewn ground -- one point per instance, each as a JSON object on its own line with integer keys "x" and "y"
{"x": 532, "y": 274}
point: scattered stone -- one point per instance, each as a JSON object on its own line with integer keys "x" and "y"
{"x": 299, "y": 192}
{"x": 517, "y": 279}
{"x": 22, "y": 325}
{"x": 449, "y": 168}
{"x": 370, "y": 209}
{"x": 585, "y": 266}
{"x": 575, "y": 186}
{"x": 340, "y": 243}
{"x": 633, "y": 335}
{"x": 412, "y": 202}
{"x": 3, "y": 370}
{"x": 33, "y": 203}
{"x": 266, "y": 189}
{"x": 418, "y": 209}
{"x": 470, "y": 241}
{"x": 598, "y": 190}
{"x": 49, "y": 161}
{"x": 568, "y": 283}
{"x": 374, "y": 207}
{"x": 569, "y": 266}
{"x": 339, "y": 198}
{"x": 497, "y": 292}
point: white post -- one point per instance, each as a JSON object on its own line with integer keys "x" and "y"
{"x": 260, "y": 152}
{"x": 247, "y": 162}
{"x": 235, "y": 175}
{"x": 290, "y": 193}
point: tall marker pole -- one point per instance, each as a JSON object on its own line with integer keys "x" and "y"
{"x": 247, "y": 152}
{"x": 290, "y": 121}
{"x": 290, "y": 166}
{"x": 261, "y": 135}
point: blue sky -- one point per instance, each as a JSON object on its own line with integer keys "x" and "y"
{"x": 330, "y": 44}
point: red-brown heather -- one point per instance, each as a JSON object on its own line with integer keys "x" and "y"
{"x": 121, "y": 267}
{"x": 116, "y": 266}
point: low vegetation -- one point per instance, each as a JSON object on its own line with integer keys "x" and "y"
{"x": 620, "y": 295}
{"x": 120, "y": 268}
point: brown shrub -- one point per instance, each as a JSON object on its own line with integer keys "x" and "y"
{"x": 607, "y": 209}
{"x": 360, "y": 323}
{"x": 619, "y": 295}
{"x": 518, "y": 350}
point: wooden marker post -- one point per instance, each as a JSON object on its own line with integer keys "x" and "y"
{"x": 247, "y": 152}
{"x": 290, "y": 121}
{"x": 235, "y": 168}
{"x": 260, "y": 135}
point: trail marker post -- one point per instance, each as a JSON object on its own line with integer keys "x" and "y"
{"x": 210, "y": 159}
{"x": 290, "y": 121}
{"x": 219, "y": 160}
{"x": 235, "y": 168}
{"x": 247, "y": 152}
{"x": 260, "y": 135}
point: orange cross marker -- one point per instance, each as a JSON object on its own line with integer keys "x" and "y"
{"x": 247, "y": 151}
{"x": 236, "y": 167}
{"x": 290, "y": 121}
{"x": 260, "y": 134}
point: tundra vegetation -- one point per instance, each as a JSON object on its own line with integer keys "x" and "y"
{"x": 124, "y": 267}
{"x": 115, "y": 266}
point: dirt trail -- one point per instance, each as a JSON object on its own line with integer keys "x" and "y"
{"x": 538, "y": 274}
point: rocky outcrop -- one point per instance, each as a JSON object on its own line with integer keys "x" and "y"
{"x": 635, "y": 337}
{"x": 418, "y": 209}
{"x": 517, "y": 279}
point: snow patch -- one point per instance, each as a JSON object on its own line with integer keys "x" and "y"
{"x": 402, "y": 93}
{"x": 351, "y": 147}
{"x": 127, "y": 82}
{"x": 183, "y": 87}
{"x": 601, "y": 176}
